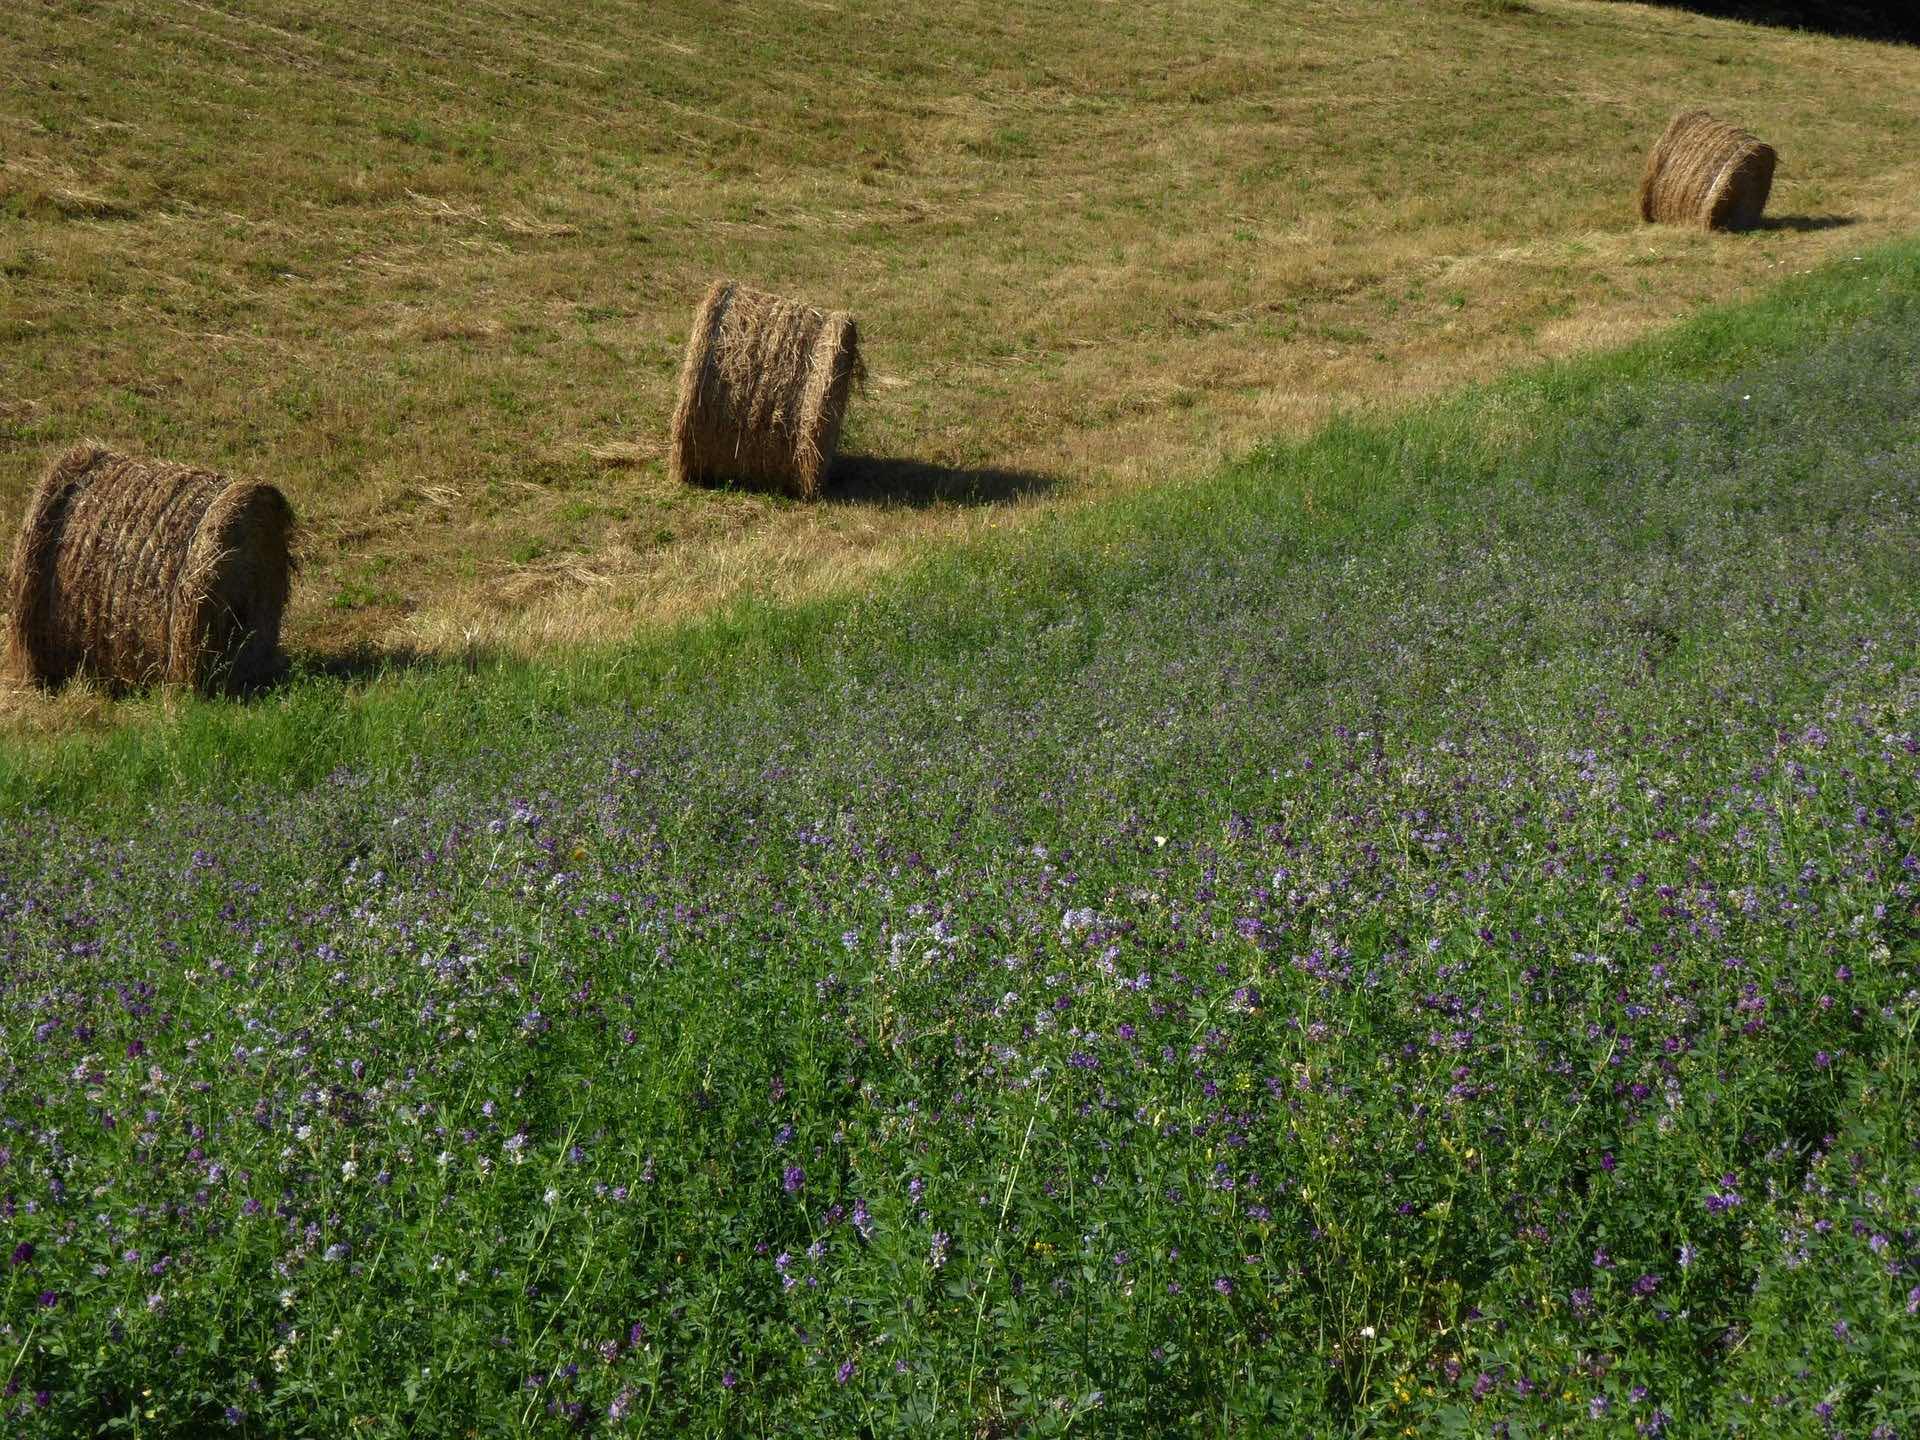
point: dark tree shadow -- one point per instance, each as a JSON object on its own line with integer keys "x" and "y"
{"x": 1804, "y": 223}
{"x": 1861, "y": 19}
{"x": 887, "y": 480}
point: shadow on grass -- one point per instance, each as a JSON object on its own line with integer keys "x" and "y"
{"x": 1804, "y": 223}
{"x": 1861, "y": 19}
{"x": 361, "y": 664}
{"x": 918, "y": 484}
{"x": 885, "y": 480}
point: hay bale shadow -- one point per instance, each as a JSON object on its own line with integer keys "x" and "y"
{"x": 1804, "y": 224}
{"x": 364, "y": 664}
{"x": 921, "y": 484}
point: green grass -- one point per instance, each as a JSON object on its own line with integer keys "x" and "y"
{"x": 1419, "y": 932}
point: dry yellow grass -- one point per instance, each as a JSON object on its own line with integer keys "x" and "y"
{"x": 428, "y": 269}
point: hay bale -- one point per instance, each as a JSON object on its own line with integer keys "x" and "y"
{"x": 763, "y": 391}
{"x": 134, "y": 571}
{"x": 1705, "y": 173}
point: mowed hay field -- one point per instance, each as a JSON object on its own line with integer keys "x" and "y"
{"x": 429, "y": 269}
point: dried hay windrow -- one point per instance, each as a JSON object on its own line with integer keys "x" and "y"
{"x": 133, "y": 571}
{"x": 763, "y": 391}
{"x": 1708, "y": 174}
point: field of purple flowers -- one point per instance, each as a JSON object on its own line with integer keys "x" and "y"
{"x": 1455, "y": 979}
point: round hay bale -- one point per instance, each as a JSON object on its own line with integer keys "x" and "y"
{"x": 763, "y": 391}
{"x": 132, "y": 571}
{"x": 1705, "y": 173}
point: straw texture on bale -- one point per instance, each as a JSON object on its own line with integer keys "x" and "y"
{"x": 1705, "y": 173}
{"x": 134, "y": 572}
{"x": 763, "y": 391}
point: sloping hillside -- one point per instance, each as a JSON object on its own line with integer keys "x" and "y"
{"x": 429, "y": 268}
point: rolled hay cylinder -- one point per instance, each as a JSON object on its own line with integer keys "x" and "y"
{"x": 1708, "y": 174}
{"x": 763, "y": 391}
{"x": 133, "y": 572}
